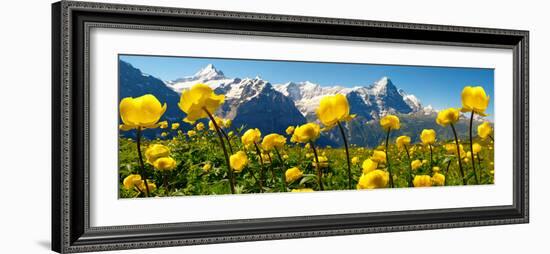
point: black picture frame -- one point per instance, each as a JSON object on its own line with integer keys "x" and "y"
{"x": 71, "y": 231}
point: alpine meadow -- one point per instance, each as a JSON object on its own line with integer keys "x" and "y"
{"x": 263, "y": 126}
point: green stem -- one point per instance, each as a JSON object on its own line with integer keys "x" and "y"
{"x": 347, "y": 154}
{"x": 259, "y": 153}
{"x": 431, "y": 158}
{"x": 220, "y": 136}
{"x": 283, "y": 176}
{"x": 472, "y": 148}
{"x": 143, "y": 173}
{"x": 273, "y": 177}
{"x": 458, "y": 154}
{"x": 410, "y": 166}
{"x": 318, "y": 166}
{"x": 388, "y": 157}
{"x": 228, "y": 142}
{"x": 447, "y": 170}
{"x": 491, "y": 137}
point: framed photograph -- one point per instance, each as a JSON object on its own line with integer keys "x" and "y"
{"x": 181, "y": 126}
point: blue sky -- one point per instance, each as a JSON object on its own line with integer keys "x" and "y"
{"x": 438, "y": 86}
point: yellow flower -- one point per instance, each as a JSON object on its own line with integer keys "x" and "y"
{"x": 293, "y": 174}
{"x": 447, "y": 116}
{"x": 422, "y": 181}
{"x": 207, "y": 167}
{"x": 436, "y": 169}
{"x": 164, "y": 134}
{"x": 131, "y": 180}
{"x": 355, "y": 160}
{"x": 238, "y": 161}
{"x": 403, "y": 141}
{"x": 219, "y": 122}
{"x": 438, "y": 179}
{"x": 163, "y": 124}
{"x": 306, "y": 133}
{"x": 191, "y": 133}
{"x": 251, "y": 136}
{"x": 333, "y": 109}
{"x": 416, "y": 164}
{"x": 390, "y": 122}
{"x": 156, "y": 151}
{"x": 165, "y": 164}
{"x": 424, "y": 162}
{"x": 476, "y": 148}
{"x": 175, "y": 126}
{"x": 323, "y": 162}
{"x": 265, "y": 158}
{"x": 427, "y": 136}
{"x": 142, "y": 112}
{"x": 484, "y": 130}
{"x": 309, "y": 155}
{"x": 369, "y": 165}
{"x": 302, "y": 190}
{"x": 200, "y": 126}
{"x": 307, "y": 146}
{"x": 373, "y": 179}
{"x": 195, "y": 101}
{"x": 379, "y": 156}
{"x": 273, "y": 141}
{"x": 290, "y": 130}
{"x": 152, "y": 186}
{"x": 285, "y": 156}
{"x": 227, "y": 123}
{"x": 451, "y": 149}
{"x": 474, "y": 99}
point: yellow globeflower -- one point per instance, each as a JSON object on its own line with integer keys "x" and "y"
{"x": 285, "y": 156}
{"x": 165, "y": 164}
{"x": 379, "y": 156}
{"x": 195, "y": 101}
{"x": 143, "y": 112}
{"x": 438, "y": 179}
{"x": 476, "y": 148}
{"x": 152, "y": 186}
{"x": 355, "y": 160}
{"x": 164, "y": 134}
{"x": 422, "y": 181}
{"x": 403, "y": 141}
{"x": 436, "y": 169}
{"x": 163, "y": 124}
{"x": 451, "y": 149}
{"x": 390, "y": 122}
{"x": 227, "y": 123}
{"x": 427, "y": 136}
{"x": 207, "y": 167}
{"x": 290, "y": 130}
{"x": 156, "y": 151}
{"x": 251, "y": 136}
{"x": 175, "y": 126}
{"x": 238, "y": 161}
{"x": 484, "y": 130}
{"x": 416, "y": 164}
{"x": 306, "y": 133}
{"x": 219, "y": 122}
{"x": 323, "y": 162}
{"x": 191, "y": 133}
{"x": 474, "y": 99}
{"x": 273, "y": 140}
{"x": 200, "y": 126}
{"x": 447, "y": 116}
{"x": 373, "y": 179}
{"x": 303, "y": 190}
{"x": 293, "y": 174}
{"x": 369, "y": 165}
{"x": 131, "y": 180}
{"x": 333, "y": 109}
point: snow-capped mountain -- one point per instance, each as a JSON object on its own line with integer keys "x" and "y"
{"x": 256, "y": 103}
{"x": 372, "y": 102}
{"x": 208, "y": 75}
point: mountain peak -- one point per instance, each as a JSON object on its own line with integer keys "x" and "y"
{"x": 383, "y": 86}
{"x": 209, "y": 72}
